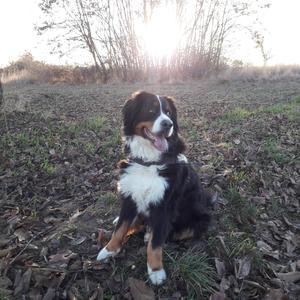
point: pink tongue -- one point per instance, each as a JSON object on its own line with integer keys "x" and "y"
{"x": 161, "y": 144}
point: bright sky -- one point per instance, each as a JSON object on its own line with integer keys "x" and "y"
{"x": 17, "y": 35}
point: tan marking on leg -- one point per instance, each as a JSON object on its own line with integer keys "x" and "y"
{"x": 183, "y": 235}
{"x": 118, "y": 237}
{"x": 154, "y": 256}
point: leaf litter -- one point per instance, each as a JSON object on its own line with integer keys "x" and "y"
{"x": 58, "y": 193}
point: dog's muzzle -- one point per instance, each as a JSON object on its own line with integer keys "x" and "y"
{"x": 166, "y": 126}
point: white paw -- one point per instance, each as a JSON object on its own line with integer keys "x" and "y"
{"x": 104, "y": 254}
{"x": 146, "y": 237}
{"x": 157, "y": 277}
{"x": 115, "y": 221}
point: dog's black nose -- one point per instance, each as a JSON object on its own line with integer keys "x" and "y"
{"x": 166, "y": 124}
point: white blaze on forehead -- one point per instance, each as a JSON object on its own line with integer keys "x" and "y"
{"x": 159, "y": 103}
{"x": 162, "y": 116}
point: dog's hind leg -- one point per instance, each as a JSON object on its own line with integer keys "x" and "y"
{"x": 137, "y": 225}
{"x": 182, "y": 235}
{"x": 126, "y": 218}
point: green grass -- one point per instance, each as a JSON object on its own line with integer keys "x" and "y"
{"x": 239, "y": 177}
{"x": 236, "y": 130}
{"x": 110, "y": 199}
{"x": 231, "y": 246}
{"x": 94, "y": 124}
{"x": 89, "y": 148}
{"x": 273, "y": 151}
{"x": 191, "y": 132}
{"x": 48, "y": 168}
{"x": 28, "y": 146}
{"x": 275, "y": 208}
{"x": 113, "y": 140}
{"x": 289, "y": 109}
{"x": 4, "y": 295}
{"x": 195, "y": 270}
{"x": 237, "y": 245}
{"x": 240, "y": 210}
{"x": 235, "y": 115}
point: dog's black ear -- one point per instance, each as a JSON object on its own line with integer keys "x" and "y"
{"x": 128, "y": 117}
{"x": 171, "y": 102}
{"x": 130, "y": 111}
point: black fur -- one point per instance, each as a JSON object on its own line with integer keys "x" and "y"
{"x": 185, "y": 203}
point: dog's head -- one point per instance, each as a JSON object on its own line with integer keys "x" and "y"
{"x": 152, "y": 118}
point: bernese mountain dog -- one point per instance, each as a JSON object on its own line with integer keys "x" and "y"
{"x": 157, "y": 184}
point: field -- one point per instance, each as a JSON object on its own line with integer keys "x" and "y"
{"x": 59, "y": 147}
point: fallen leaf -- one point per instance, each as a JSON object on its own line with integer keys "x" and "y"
{"x": 5, "y": 282}
{"x": 254, "y": 284}
{"x": 50, "y": 294}
{"x": 4, "y": 241}
{"x": 78, "y": 241}
{"x": 224, "y": 285}
{"x": 218, "y": 296}
{"x": 98, "y": 294}
{"x": 26, "y": 279}
{"x": 220, "y": 266}
{"x": 295, "y": 226}
{"x": 62, "y": 259}
{"x": 22, "y": 234}
{"x": 276, "y": 294}
{"x": 263, "y": 246}
{"x": 4, "y": 252}
{"x": 289, "y": 277}
{"x": 19, "y": 287}
{"x": 13, "y": 221}
{"x": 35, "y": 294}
{"x": 244, "y": 267}
{"x": 267, "y": 250}
{"x": 139, "y": 290}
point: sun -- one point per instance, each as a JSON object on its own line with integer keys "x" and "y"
{"x": 161, "y": 33}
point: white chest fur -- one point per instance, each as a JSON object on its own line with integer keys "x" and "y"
{"x": 144, "y": 185}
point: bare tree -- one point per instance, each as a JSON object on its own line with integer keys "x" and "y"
{"x": 259, "y": 40}
{"x": 108, "y": 29}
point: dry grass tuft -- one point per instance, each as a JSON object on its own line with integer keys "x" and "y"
{"x": 253, "y": 73}
{"x": 29, "y": 71}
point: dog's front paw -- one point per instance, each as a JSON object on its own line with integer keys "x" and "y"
{"x": 104, "y": 254}
{"x": 157, "y": 277}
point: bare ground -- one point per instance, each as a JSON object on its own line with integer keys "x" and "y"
{"x": 59, "y": 147}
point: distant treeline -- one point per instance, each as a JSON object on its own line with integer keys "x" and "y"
{"x": 27, "y": 70}
{"x": 114, "y": 33}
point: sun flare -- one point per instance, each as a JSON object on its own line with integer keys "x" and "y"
{"x": 161, "y": 33}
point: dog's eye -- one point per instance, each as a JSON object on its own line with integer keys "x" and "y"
{"x": 151, "y": 111}
{"x": 168, "y": 114}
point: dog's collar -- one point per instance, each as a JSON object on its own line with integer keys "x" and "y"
{"x": 145, "y": 163}
{"x": 153, "y": 163}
